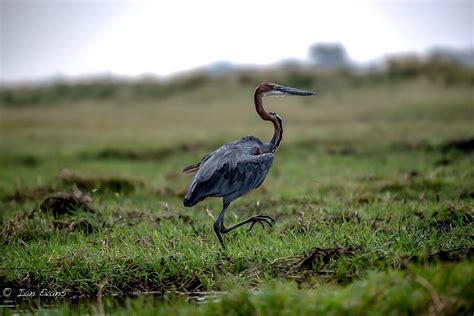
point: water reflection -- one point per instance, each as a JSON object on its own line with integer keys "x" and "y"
{"x": 133, "y": 302}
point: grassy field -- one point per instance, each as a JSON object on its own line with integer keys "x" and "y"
{"x": 372, "y": 190}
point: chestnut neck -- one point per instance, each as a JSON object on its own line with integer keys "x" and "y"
{"x": 274, "y": 118}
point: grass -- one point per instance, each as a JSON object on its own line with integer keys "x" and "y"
{"x": 372, "y": 195}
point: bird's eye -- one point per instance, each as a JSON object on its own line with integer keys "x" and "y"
{"x": 272, "y": 113}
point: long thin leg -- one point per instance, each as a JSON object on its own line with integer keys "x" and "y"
{"x": 254, "y": 219}
{"x": 219, "y": 224}
{"x": 220, "y": 229}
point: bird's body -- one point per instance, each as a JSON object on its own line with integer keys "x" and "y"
{"x": 236, "y": 168}
{"x": 231, "y": 171}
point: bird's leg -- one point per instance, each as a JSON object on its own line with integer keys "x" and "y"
{"x": 261, "y": 219}
{"x": 220, "y": 229}
{"x": 219, "y": 224}
{"x": 253, "y": 219}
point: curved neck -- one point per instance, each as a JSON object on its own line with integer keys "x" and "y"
{"x": 275, "y": 119}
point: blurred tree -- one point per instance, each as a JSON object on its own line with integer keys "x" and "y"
{"x": 329, "y": 55}
{"x": 461, "y": 56}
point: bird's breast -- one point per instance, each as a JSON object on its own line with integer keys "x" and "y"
{"x": 256, "y": 151}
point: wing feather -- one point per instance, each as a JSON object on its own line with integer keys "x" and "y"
{"x": 229, "y": 172}
{"x": 191, "y": 168}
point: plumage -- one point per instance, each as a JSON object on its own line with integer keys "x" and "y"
{"x": 236, "y": 168}
{"x": 192, "y": 168}
{"x": 230, "y": 171}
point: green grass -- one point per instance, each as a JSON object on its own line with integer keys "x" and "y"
{"x": 370, "y": 198}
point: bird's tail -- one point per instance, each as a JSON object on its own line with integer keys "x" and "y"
{"x": 192, "y": 168}
{"x": 192, "y": 197}
{"x": 187, "y": 202}
{"x": 192, "y": 200}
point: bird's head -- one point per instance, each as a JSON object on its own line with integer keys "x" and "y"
{"x": 276, "y": 90}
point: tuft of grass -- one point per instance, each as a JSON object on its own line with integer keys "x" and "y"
{"x": 435, "y": 290}
{"x": 365, "y": 194}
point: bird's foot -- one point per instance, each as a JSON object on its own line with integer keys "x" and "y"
{"x": 261, "y": 219}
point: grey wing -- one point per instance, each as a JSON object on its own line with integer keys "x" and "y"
{"x": 230, "y": 177}
{"x": 195, "y": 166}
{"x": 225, "y": 153}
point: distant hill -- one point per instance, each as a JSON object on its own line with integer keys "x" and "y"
{"x": 464, "y": 57}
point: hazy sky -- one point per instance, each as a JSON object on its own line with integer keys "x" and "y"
{"x": 40, "y": 39}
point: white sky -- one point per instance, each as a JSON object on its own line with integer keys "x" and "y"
{"x": 40, "y": 39}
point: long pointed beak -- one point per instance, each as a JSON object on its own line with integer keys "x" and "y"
{"x": 294, "y": 91}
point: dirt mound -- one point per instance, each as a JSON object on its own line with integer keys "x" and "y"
{"x": 465, "y": 145}
{"x": 34, "y": 193}
{"x": 145, "y": 155}
{"x": 324, "y": 255}
{"x": 451, "y": 255}
{"x": 89, "y": 183}
{"x": 64, "y": 203}
{"x": 75, "y": 225}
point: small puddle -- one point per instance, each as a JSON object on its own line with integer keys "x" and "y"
{"x": 99, "y": 306}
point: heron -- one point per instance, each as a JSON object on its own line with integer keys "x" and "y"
{"x": 236, "y": 168}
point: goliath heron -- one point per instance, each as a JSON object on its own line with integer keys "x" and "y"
{"x": 238, "y": 167}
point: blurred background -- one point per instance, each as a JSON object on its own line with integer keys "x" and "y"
{"x": 138, "y": 48}
{"x": 103, "y": 103}
{"x": 93, "y": 81}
